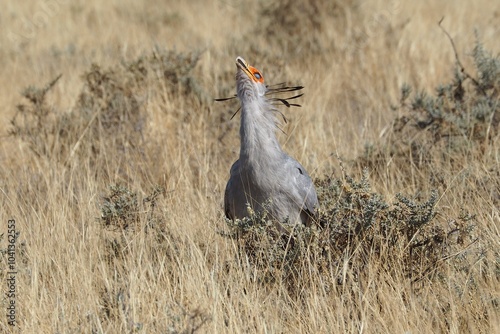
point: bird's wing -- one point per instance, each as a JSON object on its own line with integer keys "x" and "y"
{"x": 227, "y": 207}
{"x": 305, "y": 192}
{"x": 229, "y": 193}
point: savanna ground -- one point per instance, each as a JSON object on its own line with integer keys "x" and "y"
{"x": 114, "y": 161}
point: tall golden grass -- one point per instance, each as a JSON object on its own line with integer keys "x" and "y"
{"x": 115, "y": 174}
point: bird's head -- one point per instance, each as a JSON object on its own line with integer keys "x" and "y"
{"x": 249, "y": 82}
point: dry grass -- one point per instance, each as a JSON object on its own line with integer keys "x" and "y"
{"x": 115, "y": 173}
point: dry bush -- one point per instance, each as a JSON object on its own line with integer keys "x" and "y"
{"x": 109, "y": 118}
{"x": 439, "y": 136}
{"x": 33, "y": 122}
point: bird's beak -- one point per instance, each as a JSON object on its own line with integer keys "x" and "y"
{"x": 252, "y": 72}
{"x": 243, "y": 65}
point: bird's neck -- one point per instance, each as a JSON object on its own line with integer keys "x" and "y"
{"x": 258, "y": 135}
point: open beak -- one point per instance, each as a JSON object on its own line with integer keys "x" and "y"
{"x": 243, "y": 65}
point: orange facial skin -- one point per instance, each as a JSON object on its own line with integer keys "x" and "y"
{"x": 256, "y": 75}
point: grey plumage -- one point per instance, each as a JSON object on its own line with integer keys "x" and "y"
{"x": 264, "y": 173}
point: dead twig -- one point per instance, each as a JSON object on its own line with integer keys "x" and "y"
{"x": 462, "y": 68}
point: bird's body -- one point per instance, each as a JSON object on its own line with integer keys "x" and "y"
{"x": 264, "y": 175}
